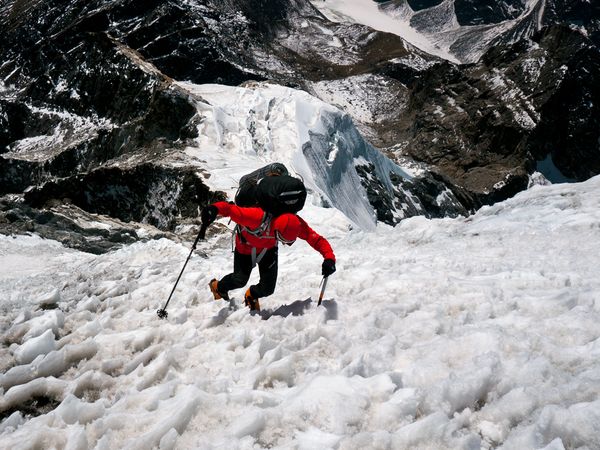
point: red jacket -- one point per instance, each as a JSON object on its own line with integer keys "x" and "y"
{"x": 251, "y": 218}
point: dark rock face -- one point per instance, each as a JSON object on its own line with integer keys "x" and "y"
{"x": 102, "y": 92}
{"x": 418, "y": 5}
{"x": 63, "y": 223}
{"x": 521, "y": 103}
{"x": 569, "y": 126}
{"x": 478, "y": 12}
{"x": 577, "y": 13}
{"x": 176, "y": 39}
{"x": 84, "y": 116}
{"x": 435, "y": 197}
{"x": 143, "y": 193}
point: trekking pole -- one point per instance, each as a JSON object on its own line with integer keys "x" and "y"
{"x": 323, "y": 286}
{"x": 162, "y": 313}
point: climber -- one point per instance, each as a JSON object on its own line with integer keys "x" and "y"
{"x": 257, "y": 237}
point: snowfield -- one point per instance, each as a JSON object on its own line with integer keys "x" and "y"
{"x": 468, "y": 333}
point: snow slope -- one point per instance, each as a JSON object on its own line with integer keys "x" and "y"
{"x": 479, "y": 332}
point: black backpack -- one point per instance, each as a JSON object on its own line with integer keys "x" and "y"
{"x": 246, "y": 193}
{"x": 273, "y": 189}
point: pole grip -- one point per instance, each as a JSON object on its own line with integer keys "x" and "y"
{"x": 201, "y": 234}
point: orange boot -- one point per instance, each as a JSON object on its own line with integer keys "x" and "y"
{"x": 214, "y": 288}
{"x": 251, "y": 302}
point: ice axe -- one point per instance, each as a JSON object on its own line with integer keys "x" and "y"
{"x": 162, "y": 313}
{"x": 323, "y": 286}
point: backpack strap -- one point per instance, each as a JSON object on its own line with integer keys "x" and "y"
{"x": 264, "y": 227}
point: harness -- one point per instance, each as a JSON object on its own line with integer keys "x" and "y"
{"x": 260, "y": 232}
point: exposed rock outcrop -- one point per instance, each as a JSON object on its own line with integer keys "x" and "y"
{"x": 487, "y": 125}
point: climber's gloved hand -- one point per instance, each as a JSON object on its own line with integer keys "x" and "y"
{"x": 328, "y": 267}
{"x": 209, "y": 214}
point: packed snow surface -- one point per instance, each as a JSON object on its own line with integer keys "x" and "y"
{"x": 469, "y": 333}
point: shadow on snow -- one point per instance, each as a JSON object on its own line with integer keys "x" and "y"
{"x": 296, "y": 308}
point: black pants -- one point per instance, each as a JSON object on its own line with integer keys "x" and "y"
{"x": 242, "y": 267}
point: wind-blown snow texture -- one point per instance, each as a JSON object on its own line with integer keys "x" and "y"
{"x": 478, "y": 332}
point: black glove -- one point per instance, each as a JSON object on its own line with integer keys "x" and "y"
{"x": 209, "y": 214}
{"x": 328, "y": 267}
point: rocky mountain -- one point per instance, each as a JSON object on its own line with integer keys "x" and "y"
{"x": 463, "y": 30}
{"x": 522, "y": 105}
{"x": 92, "y": 120}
